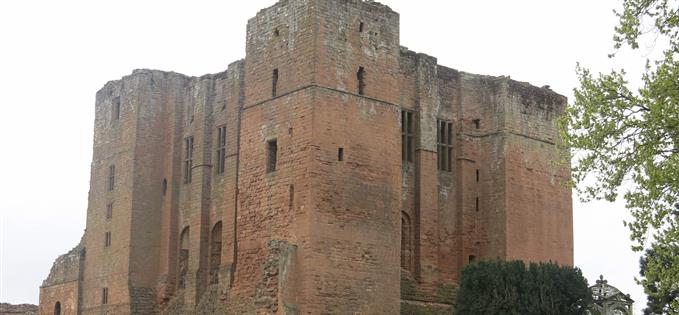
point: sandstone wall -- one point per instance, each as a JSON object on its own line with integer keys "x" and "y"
{"x": 342, "y": 222}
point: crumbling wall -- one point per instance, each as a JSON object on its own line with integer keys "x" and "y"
{"x": 20, "y": 309}
{"x": 62, "y": 286}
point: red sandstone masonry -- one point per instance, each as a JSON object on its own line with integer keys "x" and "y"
{"x": 320, "y": 234}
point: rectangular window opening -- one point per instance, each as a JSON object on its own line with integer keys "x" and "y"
{"x": 115, "y": 109}
{"x": 104, "y": 296}
{"x": 107, "y": 239}
{"x": 274, "y": 83}
{"x": 407, "y": 136}
{"x": 188, "y": 160}
{"x": 472, "y": 258}
{"x": 291, "y": 200}
{"x": 272, "y": 153}
{"x": 111, "y": 177}
{"x": 477, "y": 123}
{"x": 109, "y": 211}
{"x": 361, "y": 26}
{"x": 477, "y": 203}
{"x": 340, "y": 154}
{"x": 221, "y": 149}
{"x": 444, "y": 139}
{"x": 360, "y": 75}
{"x": 478, "y": 176}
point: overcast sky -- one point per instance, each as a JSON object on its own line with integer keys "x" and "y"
{"x": 54, "y": 56}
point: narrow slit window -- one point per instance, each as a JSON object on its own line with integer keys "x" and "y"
{"x": 109, "y": 211}
{"x": 361, "y": 26}
{"x": 407, "y": 136}
{"x": 291, "y": 200}
{"x": 340, "y": 154}
{"x": 188, "y": 159}
{"x": 221, "y": 149}
{"x": 107, "y": 239}
{"x": 272, "y": 154}
{"x": 444, "y": 138}
{"x": 406, "y": 243}
{"x": 104, "y": 296}
{"x": 164, "y": 186}
{"x": 274, "y": 83}
{"x": 115, "y": 109}
{"x": 477, "y": 204}
{"x": 360, "y": 75}
{"x": 477, "y": 123}
{"x": 111, "y": 177}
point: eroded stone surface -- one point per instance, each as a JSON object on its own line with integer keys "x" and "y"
{"x": 324, "y": 86}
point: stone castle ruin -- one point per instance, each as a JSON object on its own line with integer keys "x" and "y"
{"x": 330, "y": 171}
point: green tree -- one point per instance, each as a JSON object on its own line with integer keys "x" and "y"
{"x": 511, "y": 288}
{"x": 623, "y": 135}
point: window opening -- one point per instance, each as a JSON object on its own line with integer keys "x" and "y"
{"x": 291, "y": 198}
{"x": 445, "y": 146}
{"x": 115, "y": 109}
{"x": 188, "y": 159}
{"x": 111, "y": 177}
{"x": 360, "y": 75}
{"x": 104, "y": 296}
{"x": 407, "y": 136}
{"x": 107, "y": 239}
{"x": 216, "y": 253}
{"x": 221, "y": 149}
{"x": 477, "y": 203}
{"x": 478, "y": 176}
{"x": 406, "y": 245}
{"x": 109, "y": 211}
{"x": 274, "y": 83}
{"x": 477, "y": 123}
{"x": 472, "y": 258}
{"x": 340, "y": 154}
{"x": 183, "y": 257}
{"x": 164, "y": 186}
{"x": 57, "y": 308}
{"x": 361, "y": 26}
{"x": 272, "y": 152}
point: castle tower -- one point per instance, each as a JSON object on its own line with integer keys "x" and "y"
{"x": 320, "y": 89}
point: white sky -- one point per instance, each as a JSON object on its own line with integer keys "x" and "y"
{"x": 54, "y": 56}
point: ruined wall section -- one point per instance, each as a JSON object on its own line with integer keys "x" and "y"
{"x": 357, "y": 34}
{"x": 282, "y": 38}
{"x": 228, "y": 101}
{"x": 156, "y": 97}
{"x": 483, "y": 194}
{"x": 108, "y": 263}
{"x": 62, "y": 286}
{"x": 354, "y": 223}
{"x": 273, "y": 204}
{"x": 539, "y": 205}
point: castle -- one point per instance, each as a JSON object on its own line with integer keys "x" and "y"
{"x": 331, "y": 171}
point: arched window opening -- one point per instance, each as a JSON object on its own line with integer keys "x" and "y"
{"x": 57, "y": 308}
{"x": 406, "y": 242}
{"x": 183, "y": 257}
{"x": 216, "y": 253}
{"x": 360, "y": 75}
